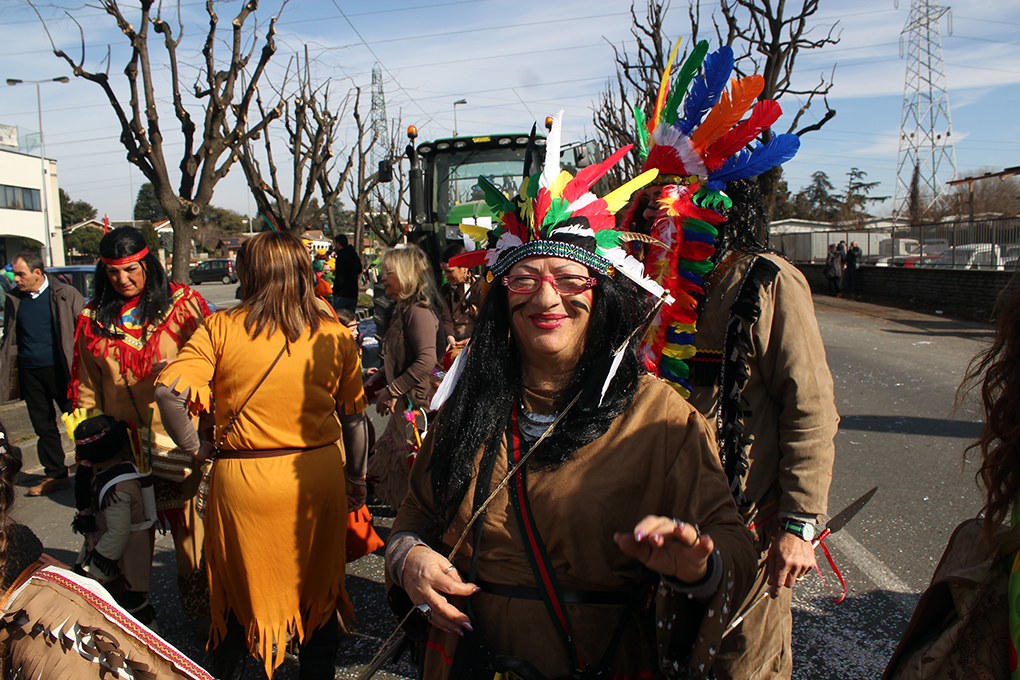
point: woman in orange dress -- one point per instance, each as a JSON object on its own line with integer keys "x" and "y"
{"x": 135, "y": 322}
{"x": 289, "y": 405}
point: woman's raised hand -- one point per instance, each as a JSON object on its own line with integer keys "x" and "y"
{"x": 668, "y": 546}
{"x": 428, "y": 577}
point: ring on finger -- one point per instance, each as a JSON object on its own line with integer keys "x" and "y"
{"x": 425, "y": 610}
{"x": 449, "y": 569}
{"x": 697, "y": 530}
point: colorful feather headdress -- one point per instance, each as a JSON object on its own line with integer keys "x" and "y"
{"x": 556, "y": 214}
{"x": 696, "y": 140}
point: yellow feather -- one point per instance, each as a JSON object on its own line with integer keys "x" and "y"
{"x": 663, "y": 90}
{"x": 619, "y": 198}
{"x": 678, "y": 351}
{"x": 731, "y": 108}
{"x": 474, "y": 232}
{"x": 561, "y": 181}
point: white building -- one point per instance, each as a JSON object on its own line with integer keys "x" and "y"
{"x": 21, "y": 214}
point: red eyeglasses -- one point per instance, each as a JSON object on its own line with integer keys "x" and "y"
{"x": 566, "y": 284}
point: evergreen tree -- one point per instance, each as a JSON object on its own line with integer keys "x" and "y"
{"x": 73, "y": 212}
{"x": 147, "y": 206}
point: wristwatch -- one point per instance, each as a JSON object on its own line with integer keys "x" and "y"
{"x": 802, "y": 530}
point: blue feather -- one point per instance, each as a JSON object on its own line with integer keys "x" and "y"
{"x": 707, "y": 88}
{"x": 700, "y": 237}
{"x": 779, "y": 149}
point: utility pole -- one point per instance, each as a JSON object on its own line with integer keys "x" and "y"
{"x": 927, "y": 127}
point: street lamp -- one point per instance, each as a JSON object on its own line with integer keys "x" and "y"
{"x": 42, "y": 156}
{"x": 455, "y": 105}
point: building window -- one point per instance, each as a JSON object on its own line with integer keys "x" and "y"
{"x": 19, "y": 198}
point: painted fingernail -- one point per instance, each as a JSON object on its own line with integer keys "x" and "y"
{"x": 639, "y": 535}
{"x": 468, "y": 626}
{"x": 476, "y": 590}
{"x": 459, "y": 632}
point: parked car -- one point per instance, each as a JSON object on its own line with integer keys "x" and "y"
{"x": 971, "y": 256}
{"x": 922, "y": 261}
{"x": 78, "y": 275}
{"x": 213, "y": 270}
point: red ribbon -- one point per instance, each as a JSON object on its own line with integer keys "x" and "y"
{"x": 126, "y": 260}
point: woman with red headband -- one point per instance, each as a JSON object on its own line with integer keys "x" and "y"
{"x": 135, "y": 323}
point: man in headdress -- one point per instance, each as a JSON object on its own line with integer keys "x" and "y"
{"x": 743, "y": 343}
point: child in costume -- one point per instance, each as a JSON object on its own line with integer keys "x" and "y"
{"x": 118, "y": 545}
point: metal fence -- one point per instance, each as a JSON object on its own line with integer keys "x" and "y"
{"x": 965, "y": 244}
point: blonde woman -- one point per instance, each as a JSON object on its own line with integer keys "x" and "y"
{"x": 411, "y": 349}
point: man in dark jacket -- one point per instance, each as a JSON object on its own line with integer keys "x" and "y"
{"x": 36, "y": 353}
{"x": 347, "y": 269}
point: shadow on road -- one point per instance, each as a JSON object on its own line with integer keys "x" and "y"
{"x": 932, "y": 427}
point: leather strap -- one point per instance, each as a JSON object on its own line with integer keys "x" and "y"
{"x": 541, "y": 565}
{"x": 237, "y": 414}
{"x": 612, "y": 597}
{"x": 243, "y": 454}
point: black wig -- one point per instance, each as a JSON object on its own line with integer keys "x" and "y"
{"x": 155, "y": 297}
{"x": 478, "y": 411}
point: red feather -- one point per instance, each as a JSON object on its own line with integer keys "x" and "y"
{"x": 764, "y": 114}
{"x": 514, "y": 225}
{"x": 666, "y": 159}
{"x": 542, "y": 204}
{"x": 695, "y": 250}
{"x": 474, "y": 258}
{"x": 586, "y": 177}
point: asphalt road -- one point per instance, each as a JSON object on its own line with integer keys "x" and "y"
{"x": 896, "y": 375}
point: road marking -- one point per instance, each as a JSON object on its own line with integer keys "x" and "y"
{"x": 883, "y": 577}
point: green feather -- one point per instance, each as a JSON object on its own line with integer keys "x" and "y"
{"x": 683, "y": 81}
{"x": 700, "y": 226}
{"x": 712, "y": 199}
{"x": 494, "y": 198}
{"x": 675, "y": 366}
{"x": 642, "y": 131}
{"x": 700, "y": 268}
{"x": 557, "y": 212}
{"x": 533, "y": 182}
{"x": 607, "y": 238}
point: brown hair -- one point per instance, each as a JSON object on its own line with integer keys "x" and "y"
{"x": 997, "y": 368}
{"x": 277, "y": 286}
{"x": 412, "y": 268}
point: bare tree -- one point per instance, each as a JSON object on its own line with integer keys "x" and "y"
{"x": 766, "y": 36}
{"x": 365, "y": 185}
{"x": 311, "y": 128}
{"x": 225, "y": 116}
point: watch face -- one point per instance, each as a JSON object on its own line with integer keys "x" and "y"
{"x": 808, "y": 532}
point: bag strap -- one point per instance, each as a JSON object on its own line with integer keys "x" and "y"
{"x": 237, "y": 414}
{"x": 541, "y": 565}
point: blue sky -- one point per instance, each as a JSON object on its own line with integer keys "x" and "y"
{"x": 514, "y": 63}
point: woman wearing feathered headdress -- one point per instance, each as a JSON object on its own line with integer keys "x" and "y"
{"x": 618, "y": 498}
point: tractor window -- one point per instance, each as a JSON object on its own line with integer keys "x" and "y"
{"x": 455, "y": 175}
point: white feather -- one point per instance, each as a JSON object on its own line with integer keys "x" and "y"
{"x": 617, "y": 360}
{"x": 670, "y": 136}
{"x": 576, "y": 230}
{"x": 505, "y": 242}
{"x": 552, "y": 152}
{"x": 450, "y": 381}
{"x": 582, "y": 201}
{"x": 635, "y": 271}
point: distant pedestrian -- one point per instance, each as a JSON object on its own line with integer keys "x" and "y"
{"x": 853, "y": 260}
{"x": 346, "y": 270}
{"x": 37, "y": 352}
{"x": 833, "y": 270}
{"x": 462, "y": 295}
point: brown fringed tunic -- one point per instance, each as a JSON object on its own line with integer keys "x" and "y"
{"x": 658, "y": 458}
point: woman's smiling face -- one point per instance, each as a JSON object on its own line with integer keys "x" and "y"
{"x": 549, "y": 325}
